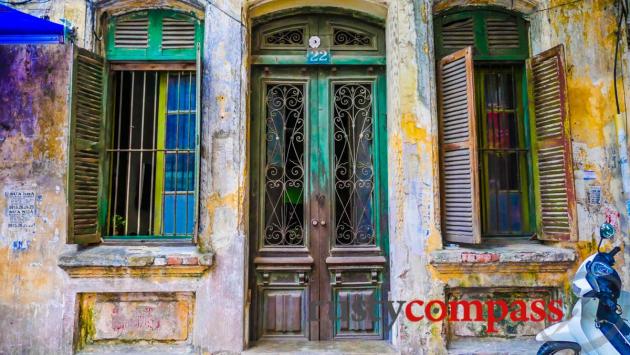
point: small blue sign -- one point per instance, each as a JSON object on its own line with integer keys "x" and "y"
{"x": 318, "y": 56}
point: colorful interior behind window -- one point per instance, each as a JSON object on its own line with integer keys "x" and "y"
{"x": 153, "y": 151}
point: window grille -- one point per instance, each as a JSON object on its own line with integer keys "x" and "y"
{"x": 153, "y": 155}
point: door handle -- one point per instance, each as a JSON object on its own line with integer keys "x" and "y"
{"x": 316, "y": 222}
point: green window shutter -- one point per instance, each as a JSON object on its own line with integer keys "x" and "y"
{"x": 458, "y": 148}
{"x": 86, "y": 148}
{"x": 132, "y": 31}
{"x": 494, "y": 34}
{"x": 553, "y": 163}
{"x": 458, "y": 34}
{"x": 153, "y": 35}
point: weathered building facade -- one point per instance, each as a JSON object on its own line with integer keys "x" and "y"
{"x": 197, "y": 176}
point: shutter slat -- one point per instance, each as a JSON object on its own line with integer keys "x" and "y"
{"x": 502, "y": 33}
{"x": 458, "y": 142}
{"x": 85, "y": 148}
{"x": 178, "y": 34}
{"x": 555, "y": 188}
{"x": 458, "y": 34}
{"x": 132, "y": 33}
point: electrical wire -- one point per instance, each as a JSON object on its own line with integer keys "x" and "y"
{"x": 559, "y": 5}
{"x": 226, "y": 13}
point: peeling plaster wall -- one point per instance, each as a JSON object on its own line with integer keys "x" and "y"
{"x": 34, "y": 82}
{"x": 589, "y": 51}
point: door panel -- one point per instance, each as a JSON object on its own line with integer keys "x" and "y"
{"x": 318, "y": 202}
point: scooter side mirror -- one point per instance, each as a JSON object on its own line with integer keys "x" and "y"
{"x": 606, "y": 231}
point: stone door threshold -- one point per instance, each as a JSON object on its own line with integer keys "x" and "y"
{"x": 304, "y": 347}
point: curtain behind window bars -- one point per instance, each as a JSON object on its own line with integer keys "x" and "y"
{"x": 152, "y": 155}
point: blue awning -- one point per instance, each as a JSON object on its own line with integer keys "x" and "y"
{"x": 19, "y": 28}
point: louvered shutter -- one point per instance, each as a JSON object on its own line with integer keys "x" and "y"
{"x": 457, "y": 35}
{"x": 502, "y": 33}
{"x": 458, "y": 143}
{"x": 552, "y": 144}
{"x": 132, "y": 32}
{"x": 178, "y": 33}
{"x": 86, "y": 146}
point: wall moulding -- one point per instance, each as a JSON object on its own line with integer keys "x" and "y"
{"x": 372, "y": 8}
{"x": 522, "y": 6}
{"x": 524, "y": 258}
{"x": 115, "y": 7}
{"x": 129, "y": 261}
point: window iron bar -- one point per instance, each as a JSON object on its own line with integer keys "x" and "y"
{"x": 139, "y": 150}
{"x": 119, "y": 126}
{"x": 141, "y": 170}
{"x": 179, "y": 185}
{"x": 156, "y": 85}
{"x": 133, "y": 81}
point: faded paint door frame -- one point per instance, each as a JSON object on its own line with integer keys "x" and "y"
{"x": 319, "y": 272}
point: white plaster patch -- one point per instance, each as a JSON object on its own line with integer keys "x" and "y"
{"x": 224, "y": 176}
{"x": 224, "y": 223}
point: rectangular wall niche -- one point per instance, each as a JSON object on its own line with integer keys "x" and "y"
{"x": 147, "y": 318}
{"x": 506, "y": 328}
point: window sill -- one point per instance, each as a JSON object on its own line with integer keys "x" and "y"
{"x": 503, "y": 258}
{"x": 135, "y": 261}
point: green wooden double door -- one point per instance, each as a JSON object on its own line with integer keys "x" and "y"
{"x": 318, "y": 226}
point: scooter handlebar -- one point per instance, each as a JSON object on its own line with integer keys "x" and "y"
{"x": 614, "y": 252}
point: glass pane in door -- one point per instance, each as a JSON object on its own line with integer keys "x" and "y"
{"x": 284, "y": 165}
{"x": 353, "y": 164}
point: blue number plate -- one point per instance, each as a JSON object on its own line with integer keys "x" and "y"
{"x": 318, "y": 56}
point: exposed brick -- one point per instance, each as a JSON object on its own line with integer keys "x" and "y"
{"x": 468, "y": 257}
{"x": 173, "y": 260}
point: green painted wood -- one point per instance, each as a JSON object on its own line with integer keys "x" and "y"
{"x": 160, "y": 156}
{"x": 319, "y": 162}
{"x": 479, "y": 15}
{"x": 154, "y": 50}
{"x": 86, "y": 148}
{"x": 310, "y": 24}
{"x": 300, "y": 59}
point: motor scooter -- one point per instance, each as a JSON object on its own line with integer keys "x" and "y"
{"x": 597, "y": 324}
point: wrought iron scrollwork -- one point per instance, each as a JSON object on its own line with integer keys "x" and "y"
{"x": 353, "y": 164}
{"x": 345, "y": 37}
{"x": 284, "y": 166}
{"x": 287, "y": 37}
